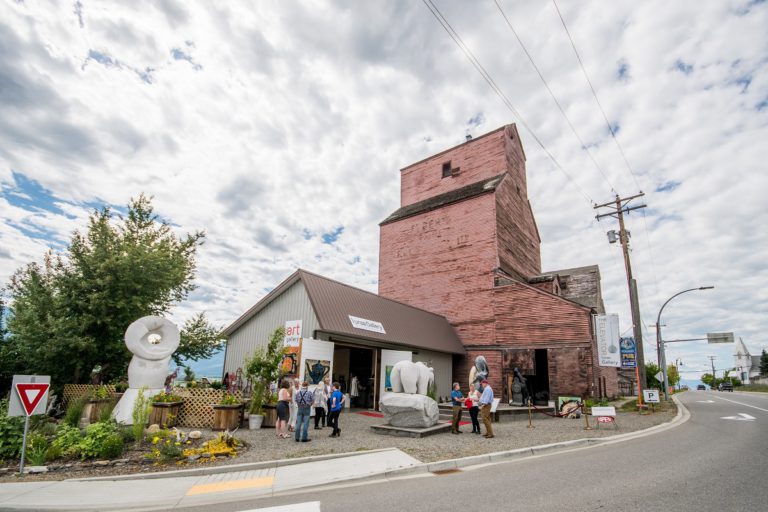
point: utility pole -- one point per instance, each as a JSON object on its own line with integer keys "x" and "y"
{"x": 712, "y": 360}
{"x": 618, "y": 208}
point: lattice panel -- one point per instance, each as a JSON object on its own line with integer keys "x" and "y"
{"x": 197, "y": 411}
{"x": 75, "y": 391}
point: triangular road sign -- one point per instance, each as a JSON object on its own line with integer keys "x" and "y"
{"x": 30, "y": 395}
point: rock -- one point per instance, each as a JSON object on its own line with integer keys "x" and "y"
{"x": 193, "y": 458}
{"x": 409, "y": 410}
{"x": 205, "y": 455}
{"x": 195, "y": 434}
{"x": 102, "y": 463}
{"x": 121, "y": 461}
{"x": 153, "y": 429}
{"x": 35, "y": 469}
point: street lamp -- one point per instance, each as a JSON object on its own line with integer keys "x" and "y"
{"x": 678, "y": 364}
{"x": 660, "y": 342}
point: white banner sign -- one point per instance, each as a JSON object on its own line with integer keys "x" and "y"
{"x": 292, "y": 333}
{"x": 367, "y": 325}
{"x": 607, "y": 334}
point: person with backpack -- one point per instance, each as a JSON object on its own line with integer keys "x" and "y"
{"x": 337, "y": 402}
{"x": 304, "y": 399}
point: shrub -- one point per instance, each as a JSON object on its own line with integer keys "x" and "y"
{"x": 165, "y": 446}
{"x": 105, "y": 414}
{"x": 141, "y": 409}
{"x": 96, "y": 436}
{"x": 126, "y": 432}
{"x": 217, "y": 384}
{"x": 37, "y": 448}
{"x": 164, "y": 398}
{"x": 229, "y": 399}
{"x": 45, "y": 428}
{"x": 75, "y": 411}
{"x": 112, "y": 447}
{"x": 11, "y": 433}
{"x": 100, "y": 393}
{"x": 67, "y": 440}
{"x": 53, "y": 452}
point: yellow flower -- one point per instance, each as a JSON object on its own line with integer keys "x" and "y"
{"x": 155, "y": 440}
{"x": 178, "y": 444}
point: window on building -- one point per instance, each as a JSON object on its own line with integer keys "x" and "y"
{"x": 447, "y": 170}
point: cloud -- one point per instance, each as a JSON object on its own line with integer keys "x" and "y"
{"x": 273, "y": 127}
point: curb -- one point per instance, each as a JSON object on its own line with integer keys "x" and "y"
{"x": 227, "y": 468}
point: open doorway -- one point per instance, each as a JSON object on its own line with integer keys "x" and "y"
{"x": 539, "y": 382}
{"x": 353, "y": 370}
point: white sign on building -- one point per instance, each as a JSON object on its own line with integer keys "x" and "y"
{"x": 607, "y": 334}
{"x": 292, "y": 333}
{"x": 367, "y": 325}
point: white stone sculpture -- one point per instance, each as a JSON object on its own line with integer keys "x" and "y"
{"x": 152, "y": 340}
{"x": 409, "y": 377}
{"x": 407, "y": 405}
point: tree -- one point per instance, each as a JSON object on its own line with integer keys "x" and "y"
{"x": 264, "y": 367}
{"x": 672, "y": 375}
{"x": 710, "y": 381}
{"x": 651, "y": 370}
{"x": 764, "y": 364}
{"x": 70, "y": 313}
{"x": 199, "y": 340}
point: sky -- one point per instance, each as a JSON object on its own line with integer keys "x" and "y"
{"x": 280, "y": 128}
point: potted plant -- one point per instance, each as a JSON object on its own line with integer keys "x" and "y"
{"x": 165, "y": 409}
{"x": 226, "y": 414}
{"x": 261, "y": 369}
{"x": 98, "y": 402}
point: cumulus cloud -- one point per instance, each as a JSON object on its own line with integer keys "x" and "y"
{"x": 280, "y": 129}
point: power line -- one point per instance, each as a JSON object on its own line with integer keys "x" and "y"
{"x": 594, "y": 94}
{"x": 487, "y": 77}
{"x": 554, "y": 98}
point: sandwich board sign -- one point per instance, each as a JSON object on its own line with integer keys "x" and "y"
{"x": 29, "y": 395}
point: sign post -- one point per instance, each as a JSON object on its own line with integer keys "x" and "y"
{"x": 30, "y": 397}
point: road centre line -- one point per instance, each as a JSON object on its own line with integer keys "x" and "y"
{"x": 739, "y": 403}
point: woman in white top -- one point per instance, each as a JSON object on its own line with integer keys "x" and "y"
{"x": 474, "y": 398}
{"x": 294, "y": 408}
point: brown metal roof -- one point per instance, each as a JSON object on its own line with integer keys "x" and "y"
{"x": 334, "y": 302}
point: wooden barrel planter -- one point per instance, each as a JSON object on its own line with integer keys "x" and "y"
{"x": 227, "y": 417}
{"x": 270, "y": 416}
{"x": 165, "y": 414}
{"x": 97, "y": 407}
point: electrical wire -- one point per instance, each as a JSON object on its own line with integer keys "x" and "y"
{"x": 489, "y": 79}
{"x": 594, "y": 94}
{"x": 554, "y": 98}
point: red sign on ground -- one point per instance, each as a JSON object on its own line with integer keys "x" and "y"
{"x": 30, "y": 395}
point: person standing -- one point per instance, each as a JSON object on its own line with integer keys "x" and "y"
{"x": 337, "y": 402}
{"x": 473, "y": 399}
{"x": 294, "y": 409}
{"x": 486, "y": 399}
{"x": 456, "y": 401}
{"x": 304, "y": 400}
{"x": 321, "y": 404}
{"x": 283, "y": 398}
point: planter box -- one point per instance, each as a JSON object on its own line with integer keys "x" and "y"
{"x": 227, "y": 417}
{"x": 270, "y": 416}
{"x": 165, "y": 414}
{"x": 96, "y": 407}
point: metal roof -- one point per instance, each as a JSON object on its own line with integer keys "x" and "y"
{"x": 334, "y": 303}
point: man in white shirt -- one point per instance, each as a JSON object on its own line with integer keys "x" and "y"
{"x": 486, "y": 400}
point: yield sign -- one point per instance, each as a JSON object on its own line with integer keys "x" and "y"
{"x": 30, "y": 394}
{"x": 740, "y": 417}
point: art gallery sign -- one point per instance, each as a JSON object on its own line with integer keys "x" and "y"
{"x": 607, "y": 335}
{"x": 367, "y": 325}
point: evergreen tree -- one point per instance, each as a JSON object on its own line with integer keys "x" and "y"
{"x": 70, "y": 313}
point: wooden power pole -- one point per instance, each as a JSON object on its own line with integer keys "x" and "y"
{"x": 618, "y": 208}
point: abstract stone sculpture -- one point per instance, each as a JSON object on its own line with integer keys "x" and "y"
{"x": 407, "y": 405}
{"x": 479, "y": 371}
{"x": 152, "y": 340}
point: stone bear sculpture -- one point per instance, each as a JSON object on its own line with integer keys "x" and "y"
{"x": 410, "y": 377}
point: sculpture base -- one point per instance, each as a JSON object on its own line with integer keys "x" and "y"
{"x": 409, "y": 410}
{"x": 123, "y": 411}
{"x": 389, "y": 430}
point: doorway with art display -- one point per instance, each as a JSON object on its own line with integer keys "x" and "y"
{"x": 533, "y": 366}
{"x": 353, "y": 369}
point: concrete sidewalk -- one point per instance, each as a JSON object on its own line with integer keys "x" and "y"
{"x": 183, "y": 491}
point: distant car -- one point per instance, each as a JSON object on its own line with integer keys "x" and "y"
{"x": 725, "y": 386}
{"x": 701, "y": 387}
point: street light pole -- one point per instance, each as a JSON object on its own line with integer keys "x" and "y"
{"x": 660, "y": 341}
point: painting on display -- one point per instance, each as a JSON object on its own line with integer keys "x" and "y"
{"x": 387, "y": 379}
{"x": 315, "y": 370}
{"x": 290, "y": 363}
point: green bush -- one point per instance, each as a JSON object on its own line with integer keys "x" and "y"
{"x": 75, "y": 411}
{"x": 140, "y": 414}
{"x": 37, "y": 447}
{"x": 53, "y": 452}
{"x": 67, "y": 440}
{"x": 45, "y": 428}
{"x": 112, "y": 447}
{"x": 217, "y": 384}
{"x": 126, "y": 432}
{"x": 96, "y": 434}
{"x": 105, "y": 414}
{"x": 11, "y": 433}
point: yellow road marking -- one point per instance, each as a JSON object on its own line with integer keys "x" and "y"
{"x": 233, "y": 485}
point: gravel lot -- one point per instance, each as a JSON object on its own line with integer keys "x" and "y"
{"x": 262, "y": 445}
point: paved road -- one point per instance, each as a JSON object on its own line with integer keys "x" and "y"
{"x": 716, "y": 461}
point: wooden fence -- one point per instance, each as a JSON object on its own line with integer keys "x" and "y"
{"x": 197, "y": 411}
